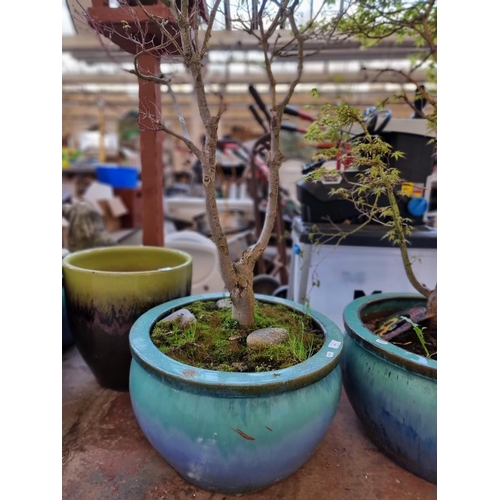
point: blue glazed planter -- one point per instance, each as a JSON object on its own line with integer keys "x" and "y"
{"x": 392, "y": 391}
{"x": 233, "y": 432}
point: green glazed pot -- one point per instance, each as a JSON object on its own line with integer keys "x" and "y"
{"x": 392, "y": 391}
{"x": 67, "y": 337}
{"x": 107, "y": 289}
{"x": 233, "y": 432}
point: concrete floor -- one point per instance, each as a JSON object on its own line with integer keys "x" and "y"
{"x": 106, "y": 456}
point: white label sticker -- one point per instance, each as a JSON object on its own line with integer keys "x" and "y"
{"x": 334, "y": 344}
{"x": 329, "y": 354}
{"x": 382, "y": 341}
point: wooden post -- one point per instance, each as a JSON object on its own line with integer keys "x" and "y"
{"x": 151, "y": 154}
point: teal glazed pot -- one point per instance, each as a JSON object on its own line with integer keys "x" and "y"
{"x": 233, "y": 432}
{"x": 392, "y": 391}
{"x": 107, "y": 289}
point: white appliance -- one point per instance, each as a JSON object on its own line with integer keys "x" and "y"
{"x": 328, "y": 277}
{"x": 187, "y": 208}
{"x": 206, "y": 271}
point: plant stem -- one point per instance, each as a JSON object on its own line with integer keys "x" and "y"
{"x": 402, "y": 244}
{"x": 420, "y": 334}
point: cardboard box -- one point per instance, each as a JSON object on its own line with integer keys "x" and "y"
{"x": 116, "y": 206}
{"x": 112, "y": 211}
{"x": 97, "y": 192}
{"x": 110, "y": 206}
{"x": 132, "y": 199}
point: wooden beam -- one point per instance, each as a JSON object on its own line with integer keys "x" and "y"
{"x": 151, "y": 154}
{"x": 337, "y": 78}
{"x": 85, "y": 46}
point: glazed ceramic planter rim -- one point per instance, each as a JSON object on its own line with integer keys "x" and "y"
{"x": 359, "y": 333}
{"x": 127, "y": 248}
{"x": 234, "y": 384}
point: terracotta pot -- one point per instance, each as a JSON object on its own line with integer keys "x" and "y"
{"x": 107, "y": 289}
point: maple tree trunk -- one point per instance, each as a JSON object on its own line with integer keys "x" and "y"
{"x": 432, "y": 309}
{"x": 243, "y": 301}
{"x": 242, "y": 294}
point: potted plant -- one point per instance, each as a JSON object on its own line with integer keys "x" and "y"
{"x": 389, "y": 364}
{"x": 223, "y": 430}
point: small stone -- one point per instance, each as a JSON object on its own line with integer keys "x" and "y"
{"x": 223, "y": 303}
{"x": 185, "y": 317}
{"x": 266, "y": 337}
{"x": 241, "y": 367}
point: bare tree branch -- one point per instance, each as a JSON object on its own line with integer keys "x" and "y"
{"x": 178, "y": 110}
{"x": 208, "y": 32}
{"x": 161, "y": 27}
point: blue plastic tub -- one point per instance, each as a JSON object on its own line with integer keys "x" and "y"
{"x": 118, "y": 177}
